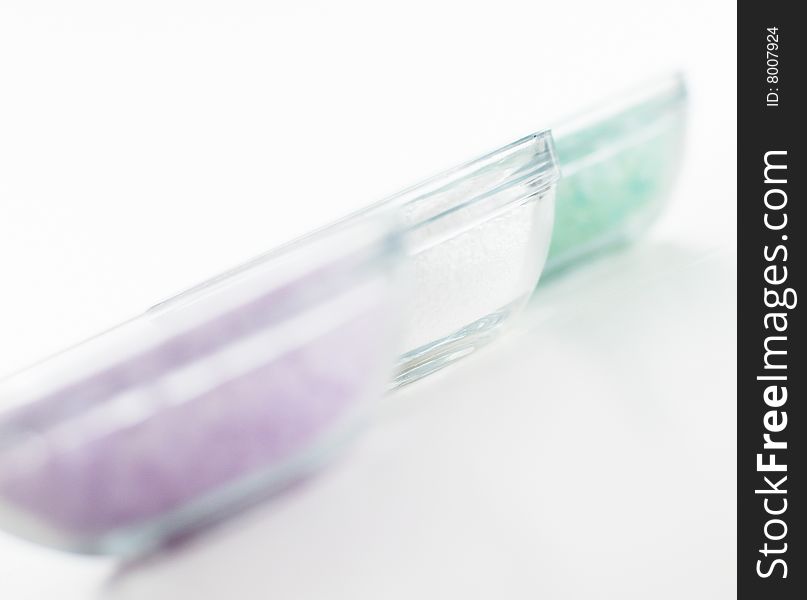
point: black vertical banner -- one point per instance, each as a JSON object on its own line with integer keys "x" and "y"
{"x": 772, "y": 368}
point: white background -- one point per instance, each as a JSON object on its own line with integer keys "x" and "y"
{"x": 145, "y": 146}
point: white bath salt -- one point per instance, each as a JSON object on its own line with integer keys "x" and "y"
{"x": 477, "y": 237}
{"x": 475, "y": 269}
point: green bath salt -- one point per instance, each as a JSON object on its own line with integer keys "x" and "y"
{"x": 618, "y": 165}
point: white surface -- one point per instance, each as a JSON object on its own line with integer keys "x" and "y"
{"x": 146, "y": 146}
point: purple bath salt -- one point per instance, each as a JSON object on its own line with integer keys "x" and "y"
{"x": 189, "y": 427}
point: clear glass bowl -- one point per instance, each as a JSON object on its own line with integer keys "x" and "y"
{"x": 207, "y": 402}
{"x": 619, "y": 163}
{"x": 477, "y": 236}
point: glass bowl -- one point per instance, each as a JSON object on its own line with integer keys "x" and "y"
{"x": 619, "y": 163}
{"x": 476, "y": 237}
{"x": 206, "y": 403}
